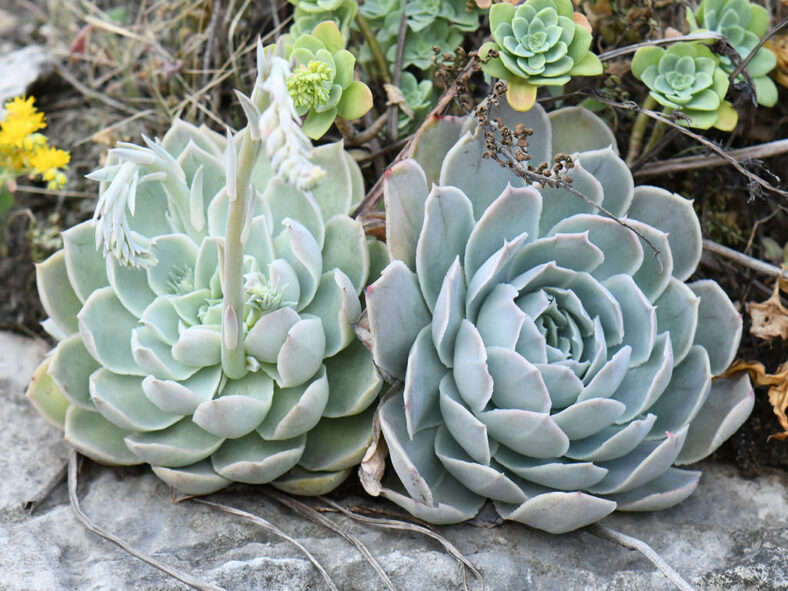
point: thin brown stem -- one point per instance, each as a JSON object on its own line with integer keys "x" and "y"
{"x": 356, "y": 138}
{"x": 374, "y": 47}
{"x": 271, "y": 527}
{"x": 621, "y": 51}
{"x": 401, "y": 36}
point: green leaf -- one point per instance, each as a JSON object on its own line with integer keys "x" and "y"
{"x": 345, "y": 62}
{"x": 356, "y": 101}
{"x": 588, "y": 66}
{"x": 521, "y": 94}
{"x": 727, "y": 117}
{"x": 6, "y": 199}
{"x": 494, "y": 66}
{"x": 765, "y": 91}
{"x": 45, "y": 396}
{"x": 316, "y": 124}
{"x": 762, "y": 63}
{"x": 329, "y": 34}
{"x": 501, "y": 13}
{"x": 645, "y": 57}
{"x": 759, "y": 20}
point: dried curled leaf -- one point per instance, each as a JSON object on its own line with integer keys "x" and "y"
{"x": 778, "y": 389}
{"x": 770, "y": 318}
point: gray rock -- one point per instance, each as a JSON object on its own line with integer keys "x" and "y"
{"x": 731, "y": 534}
{"x": 21, "y": 68}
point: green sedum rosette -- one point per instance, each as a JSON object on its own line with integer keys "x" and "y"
{"x": 744, "y": 24}
{"x": 686, "y": 76}
{"x": 308, "y": 14}
{"x": 322, "y": 84}
{"x": 549, "y": 361}
{"x": 539, "y": 43}
{"x": 137, "y": 374}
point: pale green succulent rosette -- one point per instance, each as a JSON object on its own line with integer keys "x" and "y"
{"x": 419, "y": 97}
{"x": 549, "y": 361}
{"x": 686, "y": 76}
{"x": 538, "y": 44}
{"x": 744, "y": 24}
{"x": 137, "y": 374}
{"x": 322, "y": 84}
{"x": 307, "y": 15}
{"x": 431, "y": 23}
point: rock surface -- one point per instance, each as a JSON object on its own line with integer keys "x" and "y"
{"x": 21, "y": 68}
{"x": 731, "y": 534}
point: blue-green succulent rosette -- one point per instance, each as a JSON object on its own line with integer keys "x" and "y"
{"x": 687, "y": 76}
{"x": 137, "y": 376}
{"x": 549, "y": 361}
{"x": 539, "y": 43}
{"x": 744, "y": 24}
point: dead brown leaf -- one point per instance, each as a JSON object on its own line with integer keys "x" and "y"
{"x": 770, "y": 318}
{"x": 778, "y": 389}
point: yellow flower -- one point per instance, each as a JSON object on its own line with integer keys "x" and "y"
{"x": 21, "y": 120}
{"x": 22, "y": 107}
{"x": 47, "y": 161}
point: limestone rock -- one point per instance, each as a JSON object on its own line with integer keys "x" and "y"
{"x": 21, "y": 68}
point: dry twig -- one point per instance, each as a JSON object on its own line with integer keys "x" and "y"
{"x": 186, "y": 578}
{"x": 397, "y": 524}
{"x": 663, "y": 167}
{"x": 308, "y": 512}
{"x": 753, "y": 178}
{"x": 272, "y": 528}
{"x": 744, "y": 260}
{"x": 633, "y": 543}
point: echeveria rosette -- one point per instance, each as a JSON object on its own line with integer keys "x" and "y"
{"x": 322, "y": 84}
{"x": 686, "y": 76}
{"x": 548, "y": 362}
{"x": 431, "y": 23}
{"x": 419, "y": 97}
{"x": 137, "y": 377}
{"x": 744, "y": 24}
{"x": 308, "y": 14}
{"x": 539, "y": 43}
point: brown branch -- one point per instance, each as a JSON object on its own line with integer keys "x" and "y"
{"x": 356, "y": 138}
{"x": 744, "y": 260}
{"x": 708, "y": 161}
